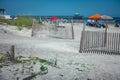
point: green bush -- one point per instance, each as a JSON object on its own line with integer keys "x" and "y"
{"x": 4, "y": 21}
{"x": 22, "y": 21}
{"x": 43, "y": 68}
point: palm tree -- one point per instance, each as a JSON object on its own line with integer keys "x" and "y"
{"x": 2, "y": 10}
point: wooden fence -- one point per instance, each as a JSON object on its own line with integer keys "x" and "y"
{"x": 8, "y": 51}
{"x": 66, "y": 32}
{"x": 100, "y": 42}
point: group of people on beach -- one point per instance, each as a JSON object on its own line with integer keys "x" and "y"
{"x": 95, "y": 23}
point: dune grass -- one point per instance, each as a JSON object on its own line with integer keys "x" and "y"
{"x": 21, "y": 21}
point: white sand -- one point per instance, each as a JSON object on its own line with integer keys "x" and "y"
{"x": 72, "y": 64}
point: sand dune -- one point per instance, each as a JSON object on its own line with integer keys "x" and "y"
{"x": 72, "y": 64}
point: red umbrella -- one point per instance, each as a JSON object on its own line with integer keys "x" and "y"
{"x": 54, "y": 18}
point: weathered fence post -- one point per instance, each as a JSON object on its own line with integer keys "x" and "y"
{"x": 12, "y": 53}
{"x": 105, "y": 36}
{"x": 32, "y": 34}
{"x": 72, "y": 30}
{"x": 119, "y": 44}
{"x": 82, "y": 37}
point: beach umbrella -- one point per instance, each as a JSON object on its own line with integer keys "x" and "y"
{"x": 54, "y": 18}
{"x": 95, "y": 16}
{"x": 105, "y": 17}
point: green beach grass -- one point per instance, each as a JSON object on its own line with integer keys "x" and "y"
{"x": 21, "y": 21}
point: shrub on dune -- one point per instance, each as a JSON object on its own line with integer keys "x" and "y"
{"x": 22, "y": 21}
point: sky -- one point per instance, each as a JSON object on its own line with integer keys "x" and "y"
{"x": 61, "y": 7}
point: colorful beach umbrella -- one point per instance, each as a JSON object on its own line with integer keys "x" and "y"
{"x": 95, "y": 16}
{"x": 54, "y": 18}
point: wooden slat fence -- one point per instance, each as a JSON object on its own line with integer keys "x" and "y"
{"x": 66, "y": 32}
{"x": 100, "y": 42}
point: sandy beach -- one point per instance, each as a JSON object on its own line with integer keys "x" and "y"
{"x": 71, "y": 65}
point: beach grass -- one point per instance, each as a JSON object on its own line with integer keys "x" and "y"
{"x": 20, "y": 22}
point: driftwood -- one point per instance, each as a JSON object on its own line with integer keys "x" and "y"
{"x": 34, "y": 75}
